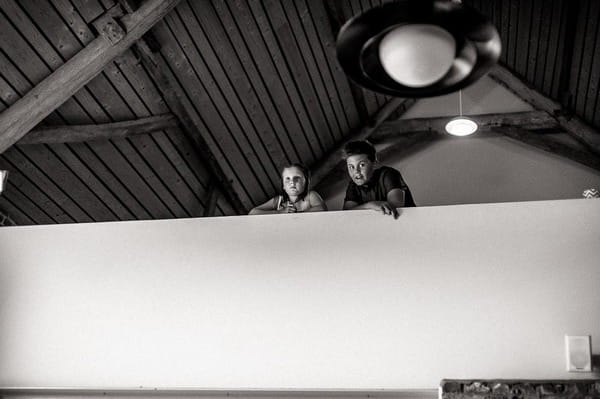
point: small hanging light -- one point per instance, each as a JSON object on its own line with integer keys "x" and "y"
{"x": 461, "y": 125}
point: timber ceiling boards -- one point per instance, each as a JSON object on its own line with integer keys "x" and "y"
{"x": 554, "y": 47}
{"x": 242, "y": 87}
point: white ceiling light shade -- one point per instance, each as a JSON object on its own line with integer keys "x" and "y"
{"x": 417, "y": 55}
{"x": 461, "y": 125}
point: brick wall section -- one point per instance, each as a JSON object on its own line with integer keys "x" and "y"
{"x": 520, "y": 389}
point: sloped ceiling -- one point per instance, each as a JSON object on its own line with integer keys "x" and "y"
{"x": 253, "y": 85}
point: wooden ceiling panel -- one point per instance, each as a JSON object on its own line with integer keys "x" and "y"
{"x": 586, "y": 62}
{"x": 118, "y": 192}
{"x": 291, "y": 72}
{"x": 265, "y": 80}
{"x": 218, "y": 48}
{"x": 215, "y": 128}
{"x": 36, "y": 175}
{"x": 33, "y": 204}
{"x": 311, "y": 26}
{"x": 220, "y": 81}
{"x": 542, "y": 15}
{"x": 188, "y": 177}
{"x": 553, "y": 60}
{"x": 88, "y": 9}
{"x": 10, "y": 207}
{"x": 326, "y": 54}
{"x": 286, "y": 35}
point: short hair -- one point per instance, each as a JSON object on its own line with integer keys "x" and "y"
{"x": 360, "y": 147}
{"x": 306, "y": 172}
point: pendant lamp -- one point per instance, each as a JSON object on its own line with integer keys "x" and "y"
{"x": 461, "y": 125}
{"x": 417, "y": 48}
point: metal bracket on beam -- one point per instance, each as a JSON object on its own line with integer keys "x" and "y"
{"x": 108, "y": 26}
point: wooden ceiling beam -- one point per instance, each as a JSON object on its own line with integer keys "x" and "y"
{"x": 573, "y": 125}
{"x": 412, "y": 136}
{"x": 525, "y": 136}
{"x": 104, "y": 131}
{"x": 59, "y": 86}
{"x": 331, "y": 161}
{"x": 526, "y": 120}
{"x": 212, "y": 196}
{"x": 6, "y": 220}
{"x": 175, "y": 98}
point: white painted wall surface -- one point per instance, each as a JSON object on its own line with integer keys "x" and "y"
{"x": 337, "y": 300}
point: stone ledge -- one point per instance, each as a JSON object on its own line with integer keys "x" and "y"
{"x": 520, "y": 389}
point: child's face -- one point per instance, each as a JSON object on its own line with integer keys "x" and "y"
{"x": 294, "y": 181}
{"x": 360, "y": 168}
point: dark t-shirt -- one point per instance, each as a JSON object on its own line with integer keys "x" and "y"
{"x": 384, "y": 180}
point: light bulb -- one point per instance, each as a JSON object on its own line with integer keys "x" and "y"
{"x": 417, "y": 55}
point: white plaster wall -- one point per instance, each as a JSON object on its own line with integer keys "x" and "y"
{"x": 337, "y": 300}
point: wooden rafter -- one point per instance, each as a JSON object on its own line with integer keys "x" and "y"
{"x": 55, "y": 89}
{"x": 105, "y": 131}
{"x": 581, "y": 156}
{"x": 211, "y": 199}
{"x": 334, "y": 157}
{"x": 526, "y": 120}
{"x": 175, "y": 98}
{"x": 6, "y": 220}
{"x": 412, "y": 134}
{"x": 574, "y": 126}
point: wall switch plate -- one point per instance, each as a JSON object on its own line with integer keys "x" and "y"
{"x": 578, "y": 350}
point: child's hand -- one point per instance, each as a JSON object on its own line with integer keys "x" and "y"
{"x": 383, "y": 207}
{"x": 288, "y": 207}
{"x": 291, "y": 208}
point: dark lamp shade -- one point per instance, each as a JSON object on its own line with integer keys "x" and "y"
{"x": 418, "y": 48}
